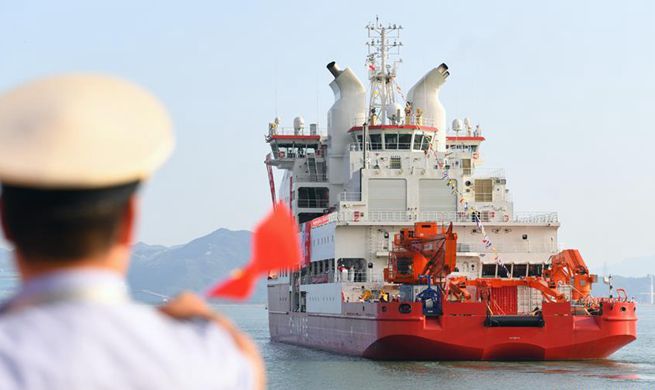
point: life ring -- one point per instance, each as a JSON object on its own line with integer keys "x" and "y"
{"x": 506, "y": 218}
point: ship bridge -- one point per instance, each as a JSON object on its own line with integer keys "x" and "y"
{"x": 301, "y": 153}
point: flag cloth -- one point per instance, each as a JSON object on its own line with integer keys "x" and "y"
{"x": 274, "y": 246}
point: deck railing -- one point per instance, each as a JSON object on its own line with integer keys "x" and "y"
{"x": 350, "y": 196}
{"x": 313, "y": 203}
{"x": 486, "y": 217}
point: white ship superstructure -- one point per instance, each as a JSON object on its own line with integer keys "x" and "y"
{"x": 350, "y": 197}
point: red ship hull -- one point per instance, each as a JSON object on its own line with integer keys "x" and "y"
{"x": 381, "y": 331}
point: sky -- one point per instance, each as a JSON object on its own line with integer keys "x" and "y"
{"x": 563, "y": 90}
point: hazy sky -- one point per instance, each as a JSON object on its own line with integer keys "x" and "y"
{"x": 564, "y": 91}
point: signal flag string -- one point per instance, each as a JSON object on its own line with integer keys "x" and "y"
{"x": 452, "y": 183}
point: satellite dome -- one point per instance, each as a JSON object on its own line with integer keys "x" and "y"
{"x": 457, "y": 125}
{"x": 298, "y": 124}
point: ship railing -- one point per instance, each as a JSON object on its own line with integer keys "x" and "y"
{"x": 313, "y": 203}
{"x": 485, "y": 216}
{"x": 360, "y": 276}
{"x": 357, "y": 146}
{"x": 489, "y": 216}
{"x": 350, "y": 196}
{"x": 413, "y": 120}
{"x": 488, "y": 173}
{"x": 289, "y": 130}
{"x": 536, "y": 217}
{"x": 525, "y": 247}
{"x": 388, "y": 216}
{"x": 321, "y": 177}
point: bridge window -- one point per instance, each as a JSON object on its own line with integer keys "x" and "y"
{"x": 427, "y": 140}
{"x": 359, "y": 142}
{"x": 404, "y": 141}
{"x": 376, "y": 141}
{"x": 418, "y": 140}
{"x": 391, "y": 141}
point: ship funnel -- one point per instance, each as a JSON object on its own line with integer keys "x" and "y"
{"x": 424, "y": 95}
{"x": 334, "y": 69}
{"x": 348, "y": 110}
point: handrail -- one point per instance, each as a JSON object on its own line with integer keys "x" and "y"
{"x": 422, "y": 120}
{"x": 487, "y": 216}
{"x": 313, "y": 203}
{"x": 350, "y": 196}
{"x": 287, "y": 130}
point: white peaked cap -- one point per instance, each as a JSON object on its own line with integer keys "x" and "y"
{"x": 81, "y": 131}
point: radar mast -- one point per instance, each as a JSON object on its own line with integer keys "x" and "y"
{"x": 382, "y": 62}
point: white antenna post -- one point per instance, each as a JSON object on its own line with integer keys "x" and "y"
{"x": 383, "y": 43}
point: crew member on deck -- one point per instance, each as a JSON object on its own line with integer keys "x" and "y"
{"x": 73, "y": 152}
{"x": 366, "y": 295}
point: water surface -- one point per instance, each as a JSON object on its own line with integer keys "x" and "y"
{"x": 291, "y": 367}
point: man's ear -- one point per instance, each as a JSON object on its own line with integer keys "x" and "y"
{"x": 128, "y": 222}
{"x": 5, "y": 230}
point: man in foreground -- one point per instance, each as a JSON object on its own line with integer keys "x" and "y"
{"x": 73, "y": 153}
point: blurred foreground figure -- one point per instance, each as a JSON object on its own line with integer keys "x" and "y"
{"x": 73, "y": 151}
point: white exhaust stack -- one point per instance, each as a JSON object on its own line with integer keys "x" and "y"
{"x": 424, "y": 95}
{"x": 348, "y": 110}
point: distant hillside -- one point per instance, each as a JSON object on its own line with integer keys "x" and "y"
{"x": 194, "y": 266}
{"x": 637, "y": 288}
{"x": 634, "y": 267}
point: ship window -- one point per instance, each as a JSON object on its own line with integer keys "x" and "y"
{"x": 313, "y": 197}
{"x": 418, "y": 139}
{"x": 359, "y": 142}
{"x": 376, "y": 141}
{"x": 394, "y": 163}
{"x": 391, "y": 141}
{"x": 535, "y": 270}
{"x": 405, "y": 265}
{"x": 483, "y": 190}
{"x": 404, "y": 141}
{"x": 488, "y": 270}
{"x": 504, "y": 272}
{"x": 519, "y": 270}
{"x": 427, "y": 140}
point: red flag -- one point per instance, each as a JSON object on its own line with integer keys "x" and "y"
{"x": 274, "y": 245}
{"x": 237, "y": 287}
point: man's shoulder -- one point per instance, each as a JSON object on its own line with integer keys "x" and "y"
{"x": 78, "y": 319}
{"x": 131, "y": 338}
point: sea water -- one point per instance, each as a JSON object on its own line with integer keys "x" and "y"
{"x": 292, "y": 367}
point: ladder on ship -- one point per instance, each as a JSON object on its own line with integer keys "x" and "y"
{"x": 313, "y": 169}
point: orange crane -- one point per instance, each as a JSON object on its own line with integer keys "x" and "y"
{"x": 567, "y": 267}
{"x": 421, "y": 251}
